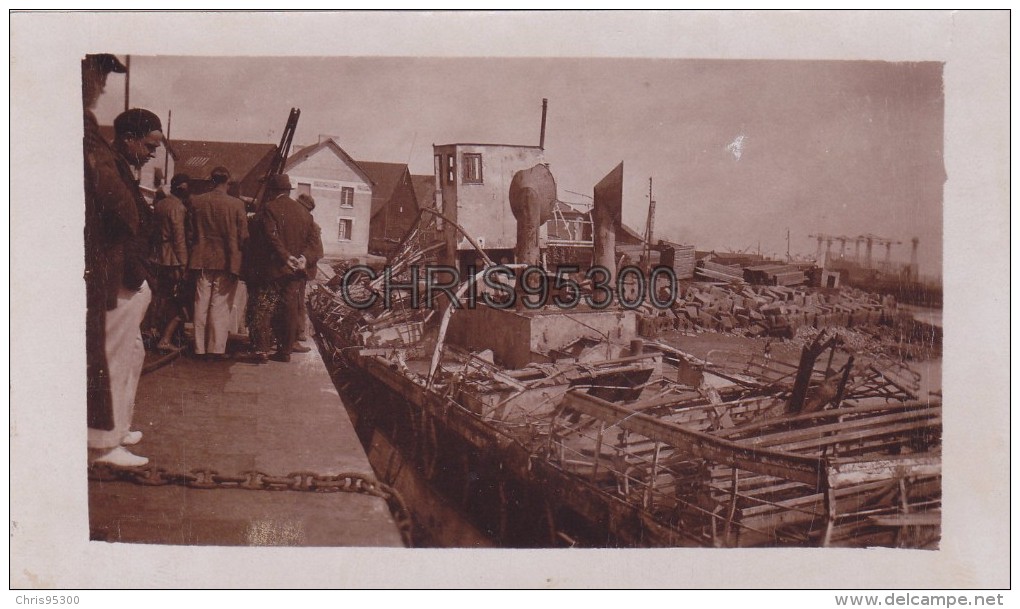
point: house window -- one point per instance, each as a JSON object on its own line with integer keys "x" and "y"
{"x": 347, "y": 196}
{"x": 344, "y": 229}
{"x": 304, "y": 189}
{"x": 451, "y": 173}
{"x": 439, "y": 170}
{"x": 472, "y": 168}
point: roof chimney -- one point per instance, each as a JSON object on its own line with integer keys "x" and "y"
{"x": 545, "y": 107}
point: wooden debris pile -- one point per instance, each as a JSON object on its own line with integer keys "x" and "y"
{"x": 859, "y": 476}
{"x": 770, "y": 310}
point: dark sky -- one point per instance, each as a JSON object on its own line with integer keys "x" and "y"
{"x": 738, "y": 151}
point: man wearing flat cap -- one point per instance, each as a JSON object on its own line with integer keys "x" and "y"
{"x": 117, "y": 244}
{"x": 219, "y": 225}
{"x": 288, "y": 248}
{"x": 94, "y": 72}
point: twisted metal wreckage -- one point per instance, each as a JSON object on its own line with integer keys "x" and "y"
{"x": 634, "y": 442}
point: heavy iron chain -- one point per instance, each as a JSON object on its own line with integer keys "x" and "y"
{"x": 260, "y": 481}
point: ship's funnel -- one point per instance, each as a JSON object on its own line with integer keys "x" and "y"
{"x": 541, "y": 137}
{"x": 532, "y": 197}
{"x": 606, "y": 216}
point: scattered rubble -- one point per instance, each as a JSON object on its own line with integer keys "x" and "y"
{"x": 862, "y": 318}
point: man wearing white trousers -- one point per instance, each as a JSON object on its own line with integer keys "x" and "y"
{"x": 117, "y": 224}
{"x": 125, "y": 355}
{"x": 220, "y": 229}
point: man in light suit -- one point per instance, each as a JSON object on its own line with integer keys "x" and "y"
{"x": 219, "y": 227}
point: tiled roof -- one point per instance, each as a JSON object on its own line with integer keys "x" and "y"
{"x": 198, "y": 158}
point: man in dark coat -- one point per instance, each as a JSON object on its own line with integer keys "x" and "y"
{"x": 117, "y": 225}
{"x": 308, "y": 202}
{"x": 94, "y": 72}
{"x": 220, "y": 228}
{"x": 170, "y": 258}
{"x": 289, "y": 248}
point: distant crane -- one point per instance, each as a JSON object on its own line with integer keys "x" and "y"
{"x": 857, "y": 248}
{"x": 888, "y": 243}
{"x": 842, "y": 246}
{"x": 870, "y": 240}
{"x": 828, "y": 245}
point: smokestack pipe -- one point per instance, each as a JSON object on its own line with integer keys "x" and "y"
{"x": 545, "y": 108}
{"x": 606, "y": 218}
{"x": 127, "y": 83}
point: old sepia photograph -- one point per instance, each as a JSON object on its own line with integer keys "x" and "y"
{"x": 504, "y": 302}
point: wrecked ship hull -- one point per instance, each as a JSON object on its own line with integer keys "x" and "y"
{"x": 588, "y": 436}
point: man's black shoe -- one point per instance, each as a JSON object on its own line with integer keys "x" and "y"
{"x": 257, "y": 357}
{"x": 280, "y": 357}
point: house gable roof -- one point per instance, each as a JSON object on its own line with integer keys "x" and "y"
{"x": 307, "y": 152}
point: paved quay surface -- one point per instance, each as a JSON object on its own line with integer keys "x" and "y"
{"x": 232, "y": 417}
